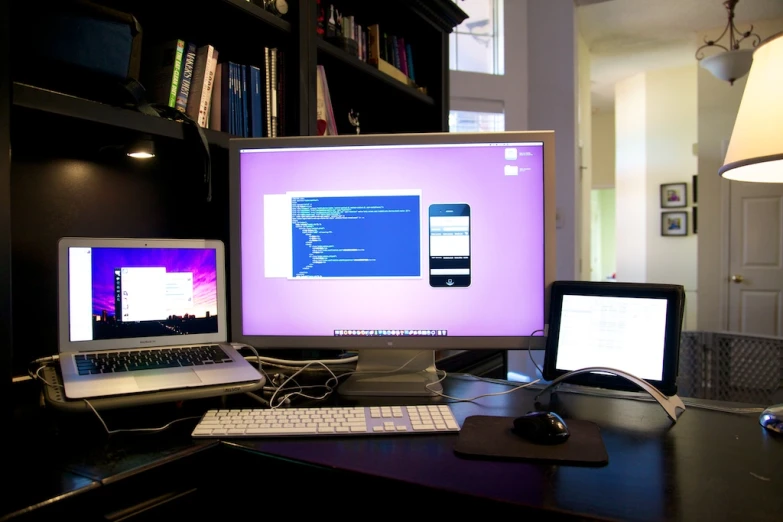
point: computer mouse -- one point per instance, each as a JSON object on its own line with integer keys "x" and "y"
{"x": 772, "y": 418}
{"x": 542, "y": 427}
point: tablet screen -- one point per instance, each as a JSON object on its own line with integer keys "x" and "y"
{"x": 623, "y": 333}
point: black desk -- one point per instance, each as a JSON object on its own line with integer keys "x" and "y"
{"x": 708, "y": 466}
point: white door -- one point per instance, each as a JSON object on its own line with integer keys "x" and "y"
{"x": 756, "y": 258}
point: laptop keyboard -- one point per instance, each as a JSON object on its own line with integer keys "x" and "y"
{"x": 135, "y": 360}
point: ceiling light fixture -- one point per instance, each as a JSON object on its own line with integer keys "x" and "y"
{"x": 733, "y": 63}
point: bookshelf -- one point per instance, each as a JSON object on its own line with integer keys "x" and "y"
{"x": 62, "y": 181}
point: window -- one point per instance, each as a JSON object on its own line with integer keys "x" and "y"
{"x": 476, "y": 45}
{"x": 470, "y": 121}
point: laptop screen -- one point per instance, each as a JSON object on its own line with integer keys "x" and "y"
{"x": 121, "y": 293}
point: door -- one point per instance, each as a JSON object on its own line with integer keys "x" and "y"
{"x": 756, "y": 258}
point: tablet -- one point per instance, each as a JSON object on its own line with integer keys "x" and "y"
{"x": 632, "y": 327}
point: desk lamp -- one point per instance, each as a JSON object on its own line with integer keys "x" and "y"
{"x": 755, "y": 151}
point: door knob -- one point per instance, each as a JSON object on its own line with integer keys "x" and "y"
{"x": 736, "y": 278}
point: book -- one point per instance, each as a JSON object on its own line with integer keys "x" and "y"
{"x": 188, "y": 62}
{"x": 164, "y": 77}
{"x": 202, "y": 80}
{"x": 216, "y": 108}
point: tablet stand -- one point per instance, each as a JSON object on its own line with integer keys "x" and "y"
{"x": 672, "y": 405}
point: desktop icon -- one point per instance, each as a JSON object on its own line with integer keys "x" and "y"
{"x": 511, "y": 170}
{"x": 511, "y": 154}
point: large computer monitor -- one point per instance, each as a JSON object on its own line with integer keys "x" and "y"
{"x": 392, "y": 245}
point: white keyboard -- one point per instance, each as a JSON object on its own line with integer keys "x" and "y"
{"x": 334, "y": 421}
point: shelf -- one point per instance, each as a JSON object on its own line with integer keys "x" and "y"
{"x": 260, "y": 13}
{"x": 53, "y": 102}
{"x": 369, "y": 70}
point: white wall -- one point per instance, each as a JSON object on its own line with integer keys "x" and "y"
{"x": 603, "y": 149}
{"x": 656, "y": 128}
{"x": 584, "y": 158}
{"x": 671, "y": 133}
{"x": 552, "y": 105}
{"x": 718, "y": 103}
{"x": 630, "y": 184}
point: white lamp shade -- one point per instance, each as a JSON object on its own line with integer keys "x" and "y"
{"x": 730, "y": 65}
{"x": 755, "y": 151}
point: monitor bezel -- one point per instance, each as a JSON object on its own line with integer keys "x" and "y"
{"x": 675, "y": 298}
{"x": 546, "y": 138}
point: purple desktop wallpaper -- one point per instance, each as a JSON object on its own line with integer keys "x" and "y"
{"x": 506, "y": 294}
{"x": 201, "y": 262}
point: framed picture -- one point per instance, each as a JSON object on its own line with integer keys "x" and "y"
{"x": 674, "y": 223}
{"x": 674, "y": 195}
{"x": 695, "y": 220}
{"x": 695, "y": 189}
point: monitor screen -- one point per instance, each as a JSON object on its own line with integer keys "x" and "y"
{"x": 411, "y": 241}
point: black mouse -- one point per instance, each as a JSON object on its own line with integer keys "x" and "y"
{"x": 542, "y": 427}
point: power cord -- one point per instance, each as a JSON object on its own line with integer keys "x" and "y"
{"x": 530, "y": 352}
{"x": 471, "y": 399}
{"x": 43, "y": 362}
{"x": 136, "y": 430}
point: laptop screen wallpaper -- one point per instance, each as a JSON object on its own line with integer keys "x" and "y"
{"x": 120, "y": 293}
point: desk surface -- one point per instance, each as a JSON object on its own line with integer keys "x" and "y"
{"x": 708, "y": 466}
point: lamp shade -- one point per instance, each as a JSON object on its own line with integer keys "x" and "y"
{"x": 729, "y": 66}
{"x": 755, "y": 152}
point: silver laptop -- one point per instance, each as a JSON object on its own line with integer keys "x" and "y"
{"x": 144, "y": 315}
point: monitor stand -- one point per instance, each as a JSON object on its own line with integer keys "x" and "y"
{"x": 393, "y": 373}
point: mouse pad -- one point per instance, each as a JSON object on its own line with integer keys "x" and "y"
{"x": 491, "y": 438}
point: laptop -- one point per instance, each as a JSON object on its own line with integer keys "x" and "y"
{"x": 138, "y": 316}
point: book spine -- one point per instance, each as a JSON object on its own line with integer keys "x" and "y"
{"x": 268, "y": 92}
{"x": 403, "y": 56}
{"x": 255, "y": 102}
{"x": 187, "y": 76}
{"x": 177, "y": 74}
{"x": 273, "y": 58}
{"x": 209, "y": 82}
{"x": 411, "y": 71}
{"x": 215, "y": 121}
{"x": 374, "y": 44}
{"x": 245, "y": 100}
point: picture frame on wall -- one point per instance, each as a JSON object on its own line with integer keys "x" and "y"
{"x": 695, "y": 219}
{"x": 674, "y": 223}
{"x": 674, "y": 195}
{"x": 695, "y": 186}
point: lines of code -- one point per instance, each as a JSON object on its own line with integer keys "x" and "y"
{"x": 356, "y": 236}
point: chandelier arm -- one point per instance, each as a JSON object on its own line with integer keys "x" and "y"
{"x": 700, "y": 50}
{"x": 749, "y": 34}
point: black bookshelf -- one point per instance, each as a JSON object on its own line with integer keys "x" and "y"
{"x": 40, "y": 99}
{"x": 57, "y": 183}
{"x": 366, "y": 69}
{"x": 6, "y": 340}
{"x": 260, "y": 13}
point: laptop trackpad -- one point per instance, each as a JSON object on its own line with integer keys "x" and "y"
{"x": 165, "y": 378}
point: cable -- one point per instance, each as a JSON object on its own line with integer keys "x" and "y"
{"x": 471, "y": 399}
{"x": 689, "y": 402}
{"x": 330, "y": 387}
{"x": 136, "y": 430}
{"x": 50, "y": 384}
{"x": 346, "y": 360}
{"x": 530, "y": 353}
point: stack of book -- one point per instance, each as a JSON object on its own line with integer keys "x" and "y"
{"x": 242, "y": 100}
